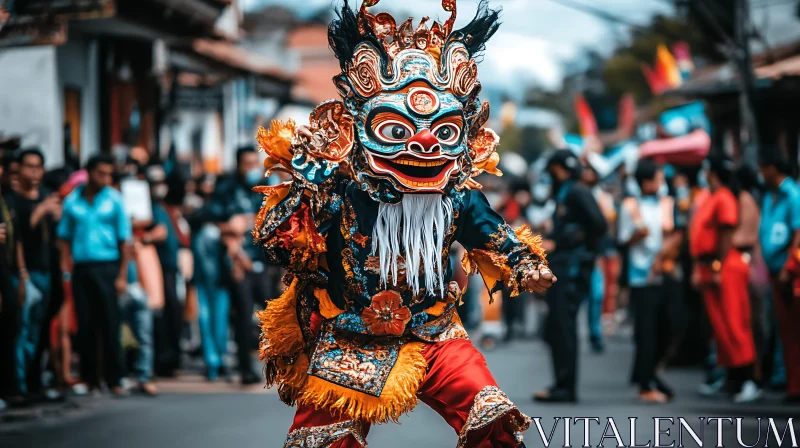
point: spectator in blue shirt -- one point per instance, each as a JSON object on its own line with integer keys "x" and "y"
{"x": 780, "y": 222}
{"x": 95, "y": 233}
{"x": 780, "y": 237}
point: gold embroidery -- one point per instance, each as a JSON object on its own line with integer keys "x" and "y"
{"x": 398, "y": 396}
{"x": 490, "y": 405}
{"x": 322, "y": 436}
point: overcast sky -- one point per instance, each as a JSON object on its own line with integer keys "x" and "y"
{"x": 536, "y": 38}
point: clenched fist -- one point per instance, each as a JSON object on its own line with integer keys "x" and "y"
{"x": 539, "y": 280}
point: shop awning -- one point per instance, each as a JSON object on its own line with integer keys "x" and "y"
{"x": 724, "y": 79}
{"x": 239, "y": 58}
{"x": 194, "y": 10}
{"x": 781, "y": 69}
{"x": 689, "y": 149}
{"x": 70, "y": 9}
{"x": 33, "y": 31}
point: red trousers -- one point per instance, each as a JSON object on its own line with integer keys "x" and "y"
{"x": 728, "y": 307}
{"x": 457, "y": 374}
{"x": 787, "y": 311}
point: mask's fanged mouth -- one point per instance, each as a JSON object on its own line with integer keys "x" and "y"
{"x": 415, "y": 172}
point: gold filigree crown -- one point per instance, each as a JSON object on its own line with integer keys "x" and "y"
{"x": 396, "y": 38}
{"x": 376, "y": 54}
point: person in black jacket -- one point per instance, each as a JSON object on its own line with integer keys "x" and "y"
{"x": 578, "y": 225}
{"x": 9, "y": 305}
{"x": 233, "y": 208}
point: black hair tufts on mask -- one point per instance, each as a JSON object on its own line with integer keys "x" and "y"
{"x": 344, "y": 36}
{"x": 477, "y": 32}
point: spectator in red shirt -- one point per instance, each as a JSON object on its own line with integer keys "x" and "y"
{"x": 722, "y": 272}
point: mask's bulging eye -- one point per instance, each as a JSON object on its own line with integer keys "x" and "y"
{"x": 398, "y": 132}
{"x": 447, "y": 133}
{"x": 394, "y": 132}
{"x": 444, "y": 133}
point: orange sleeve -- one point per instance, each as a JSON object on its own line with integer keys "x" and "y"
{"x": 727, "y": 209}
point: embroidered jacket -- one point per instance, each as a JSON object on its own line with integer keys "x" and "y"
{"x": 336, "y": 321}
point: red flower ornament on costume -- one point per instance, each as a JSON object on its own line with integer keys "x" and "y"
{"x": 299, "y": 231}
{"x": 386, "y": 316}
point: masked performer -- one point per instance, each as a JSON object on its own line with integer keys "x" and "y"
{"x": 382, "y": 185}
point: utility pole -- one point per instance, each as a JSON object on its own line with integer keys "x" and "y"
{"x": 747, "y": 98}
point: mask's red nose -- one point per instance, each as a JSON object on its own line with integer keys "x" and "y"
{"x": 424, "y": 143}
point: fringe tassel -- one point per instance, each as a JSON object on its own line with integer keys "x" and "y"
{"x": 398, "y": 397}
{"x": 282, "y": 339}
{"x": 296, "y": 374}
{"x": 534, "y": 242}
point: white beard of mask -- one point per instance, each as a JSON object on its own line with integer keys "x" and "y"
{"x": 424, "y": 219}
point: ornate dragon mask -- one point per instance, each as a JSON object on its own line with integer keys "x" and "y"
{"x": 409, "y": 120}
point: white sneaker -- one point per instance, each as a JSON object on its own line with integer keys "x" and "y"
{"x": 80, "y": 389}
{"x": 52, "y": 394}
{"x": 750, "y": 392}
{"x": 126, "y": 384}
{"x": 709, "y": 390}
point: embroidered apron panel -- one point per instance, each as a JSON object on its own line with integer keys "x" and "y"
{"x": 362, "y": 365}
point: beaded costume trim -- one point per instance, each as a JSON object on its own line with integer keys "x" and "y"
{"x": 322, "y": 436}
{"x": 490, "y": 405}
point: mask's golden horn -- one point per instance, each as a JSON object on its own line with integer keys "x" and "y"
{"x": 449, "y": 6}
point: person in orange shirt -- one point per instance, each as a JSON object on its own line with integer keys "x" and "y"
{"x": 722, "y": 273}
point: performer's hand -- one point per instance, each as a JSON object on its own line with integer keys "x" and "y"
{"x": 539, "y": 280}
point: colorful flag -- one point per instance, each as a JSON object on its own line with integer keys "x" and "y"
{"x": 586, "y": 119}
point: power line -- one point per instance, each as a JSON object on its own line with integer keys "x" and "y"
{"x": 767, "y": 4}
{"x": 711, "y": 19}
{"x": 599, "y": 13}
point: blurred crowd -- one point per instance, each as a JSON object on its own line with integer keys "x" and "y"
{"x": 702, "y": 263}
{"x": 125, "y": 270}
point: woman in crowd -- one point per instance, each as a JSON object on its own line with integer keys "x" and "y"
{"x": 603, "y": 276}
{"x": 722, "y": 272}
{"x": 745, "y": 238}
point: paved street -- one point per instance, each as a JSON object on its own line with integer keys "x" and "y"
{"x": 197, "y": 415}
